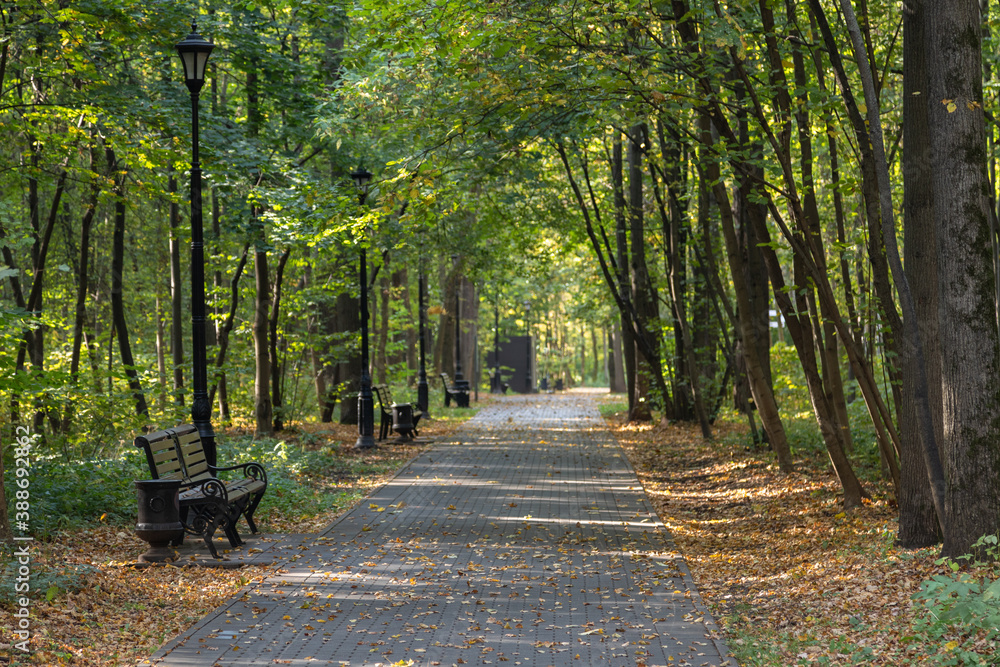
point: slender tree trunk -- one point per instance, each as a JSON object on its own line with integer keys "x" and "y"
{"x": 642, "y": 288}
{"x": 675, "y": 235}
{"x": 621, "y": 245}
{"x": 80, "y": 311}
{"x": 759, "y": 386}
{"x": 748, "y": 212}
{"x": 117, "y": 304}
{"x": 825, "y": 333}
{"x": 176, "y": 291}
{"x": 224, "y": 331}
{"x": 382, "y": 331}
{"x": 277, "y": 400}
{"x": 262, "y": 377}
{"x": 161, "y": 356}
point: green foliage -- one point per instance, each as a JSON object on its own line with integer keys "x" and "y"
{"x": 960, "y": 612}
{"x": 45, "y": 582}
{"x": 67, "y": 496}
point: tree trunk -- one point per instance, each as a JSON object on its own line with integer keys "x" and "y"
{"x": 262, "y": 377}
{"x": 675, "y": 236}
{"x": 277, "y": 400}
{"x": 756, "y": 335}
{"x": 616, "y": 365}
{"x": 628, "y": 342}
{"x": 764, "y": 399}
{"x": 161, "y": 357}
{"x": 176, "y": 289}
{"x": 347, "y": 373}
{"x": 382, "y": 330}
{"x": 117, "y": 305}
{"x": 83, "y": 278}
{"x": 825, "y": 333}
{"x": 224, "y": 331}
{"x": 644, "y": 296}
{"x": 970, "y": 367}
{"x": 918, "y": 522}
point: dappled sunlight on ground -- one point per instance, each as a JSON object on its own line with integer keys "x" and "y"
{"x": 775, "y": 555}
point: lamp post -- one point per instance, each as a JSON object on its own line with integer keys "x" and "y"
{"x": 194, "y": 51}
{"x": 366, "y": 401}
{"x": 422, "y": 391}
{"x": 461, "y": 384}
{"x": 528, "y": 346}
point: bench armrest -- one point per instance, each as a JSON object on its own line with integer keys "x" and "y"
{"x": 212, "y": 489}
{"x": 251, "y": 469}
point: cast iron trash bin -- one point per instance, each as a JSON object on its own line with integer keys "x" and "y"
{"x": 159, "y": 517}
{"x": 402, "y": 420}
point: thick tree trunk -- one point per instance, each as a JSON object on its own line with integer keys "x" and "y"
{"x": 970, "y": 361}
{"x": 918, "y": 522}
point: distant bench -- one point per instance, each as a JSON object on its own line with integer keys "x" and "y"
{"x": 449, "y": 395}
{"x": 386, "y": 405}
{"x": 206, "y": 502}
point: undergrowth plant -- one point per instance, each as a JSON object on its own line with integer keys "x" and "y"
{"x": 959, "y": 613}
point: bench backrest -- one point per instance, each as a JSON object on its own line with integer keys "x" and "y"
{"x": 381, "y": 393}
{"x": 175, "y": 453}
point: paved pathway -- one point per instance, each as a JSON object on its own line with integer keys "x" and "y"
{"x": 525, "y": 539}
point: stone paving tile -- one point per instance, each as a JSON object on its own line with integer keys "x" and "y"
{"x": 524, "y": 540}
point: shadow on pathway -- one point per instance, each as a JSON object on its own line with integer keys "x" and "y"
{"x": 525, "y": 539}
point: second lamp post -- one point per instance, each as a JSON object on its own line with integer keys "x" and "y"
{"x": 366, "y": 401}
{"x": 461, "y": 385}
{"x": 194, "y": 51}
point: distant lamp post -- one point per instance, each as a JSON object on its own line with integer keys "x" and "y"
{"x": 422, "y": 389}
{"x": 366, "y": 401}
{"x": 194, "y": 51}
{"x": 461, "y": 385}
{"x": 527, "y": 334}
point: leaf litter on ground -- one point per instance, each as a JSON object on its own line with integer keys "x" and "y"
{"x": 103, "y": 612}
{"x": 790, "y": 576}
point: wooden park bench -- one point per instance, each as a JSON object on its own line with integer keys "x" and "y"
{"x": 206, "y": 501}
{"x": 386, "y": 406}
{"x": 449, "y": 395}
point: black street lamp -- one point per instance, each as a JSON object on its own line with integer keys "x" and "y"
{"x": 194, "y": 51}
{"x": 461, "y": 387}
{"x": 528, "y": 345}
{"x": 422, "y": 389}
{"x": 366, "y": 401}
